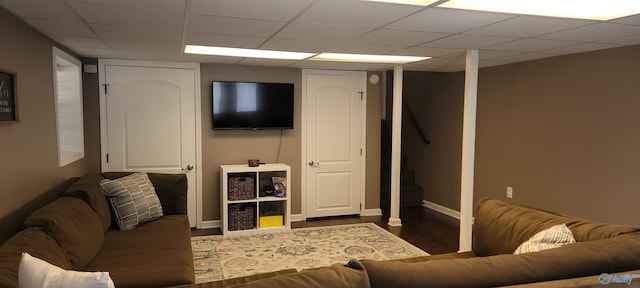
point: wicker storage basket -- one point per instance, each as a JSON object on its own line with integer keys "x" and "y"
{"x": 241, "y": 217}
{"x": 242, "y": 187}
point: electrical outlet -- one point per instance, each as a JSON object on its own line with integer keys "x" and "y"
{"x": 509, "y": 192}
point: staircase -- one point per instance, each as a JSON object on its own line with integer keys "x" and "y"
{"x": 411, "y": 194}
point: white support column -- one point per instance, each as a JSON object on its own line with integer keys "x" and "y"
{"x": 396, "y": 134}
{"x": 468, "y": 149}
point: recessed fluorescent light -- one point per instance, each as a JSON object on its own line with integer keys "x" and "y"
{"x": 367, "y": 58}
{"x": 241, "y": 52}
{"x": 408, "y": 2}
{"x": 582, "y": 9}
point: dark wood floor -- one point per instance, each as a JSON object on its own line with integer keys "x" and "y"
{"x": 430, "y": 231}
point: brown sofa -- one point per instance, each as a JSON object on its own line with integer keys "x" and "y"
{"x": 499, "y": 229}
{"x": 72, "y": 227}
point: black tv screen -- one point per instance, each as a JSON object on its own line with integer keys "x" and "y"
{"x": 252, "y": 106}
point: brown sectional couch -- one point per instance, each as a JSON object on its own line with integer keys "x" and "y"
{"x": 73, "y": 229}
{"x": 499, "y": 229}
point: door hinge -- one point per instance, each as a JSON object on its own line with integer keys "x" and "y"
{"x": 360, "y": 151}
{"x": 360, "y": 206}
{"x": 106, "y": 88}
{"x": 107, "y": 157}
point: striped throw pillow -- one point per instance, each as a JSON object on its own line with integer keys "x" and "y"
{"x": 133, "y": 200}
{"x": 553, "y": 237}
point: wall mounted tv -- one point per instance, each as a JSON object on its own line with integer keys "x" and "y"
{"x": 252, "y": 106}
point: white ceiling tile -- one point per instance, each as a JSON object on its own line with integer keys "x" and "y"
{"x": 467, "y": 41}
{"x": 427, "y": 51}
{"x": 399, "y": 37}
{"x": 82, "y": 42}
{"x": 355, "y": 13}
{"x": 59, "y": 28}
{"x": 143, "y": 4}
{"x": 491, "y": 63}
{"x": 528, "y": 26}
{"x": 197, "y": 38}
{"x": 435, "y": 63}
{"x": 157, "y": 15}
{"x": 361, "y": 48}
{"x": 309, "y": 64}
{"x": 52, "y": 10}
{"x": 524, "y": 57}
{"x": 155, "y": 29}
{"x": 595, "y": 32}
{"x": 579, "y": 48}
{"x": 630, "y": 40}
{"x": 95, "y": 52}
{"x": 138, "y": 33}
{"x": 157, "y": 46}
{"x": 267, "y": 62}
{"x": 210, "y": 59}
{"x": 277, "y": 10}
{"x": 491, "y": 54}
{"x": 447, "y": 20}
{"x": 530, "y": 45}
{"x": 145, "y": 55}
{"x": 318, "y": 32}
{"x": 233, "y": 26}
{"x": 297, "y": 45}
{"x": 632, "y": 20}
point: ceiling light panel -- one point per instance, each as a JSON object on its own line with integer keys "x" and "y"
{"x": 366, "y": 58}
{"x": 581, "y": 9}
{"x": 240, "y": 52}
{"x": 407, "y": 2}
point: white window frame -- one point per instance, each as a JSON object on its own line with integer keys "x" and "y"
{"x": 67, "y": 91}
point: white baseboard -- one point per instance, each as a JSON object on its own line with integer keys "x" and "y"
{"x": 210, "y": 224}
{"x": 441, "y": 209}
{"x": 372, "y": 212}
{"x": 297, "y": 218}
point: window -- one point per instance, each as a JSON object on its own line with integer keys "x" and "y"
{"x": 67, "y": 90}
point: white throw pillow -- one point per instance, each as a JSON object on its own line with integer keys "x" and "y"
{"x": 37, "y": 273}
{"x": 133, "y": 199}
{"x": 553, "y": 237}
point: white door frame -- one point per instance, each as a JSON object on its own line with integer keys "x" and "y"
{"x": 303, "y": 126}
{"x": 103, "y": 116}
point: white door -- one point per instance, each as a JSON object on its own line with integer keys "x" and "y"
{"x": 151, "y": 122}
{"x": 335, "y": 142}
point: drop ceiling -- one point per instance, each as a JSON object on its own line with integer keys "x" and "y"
{"x": 159, "y": 30}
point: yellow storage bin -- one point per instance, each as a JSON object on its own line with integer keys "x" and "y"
{"x": 271, "y": 221}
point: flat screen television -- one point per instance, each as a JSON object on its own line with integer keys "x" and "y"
{"x": 252, "y": 106}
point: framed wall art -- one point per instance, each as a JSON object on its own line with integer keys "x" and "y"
{"x": 8, "y": 98}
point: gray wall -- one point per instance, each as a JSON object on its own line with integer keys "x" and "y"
{"x": 436, "y": 100}
{"x": 28, "y": 153}
{"x": 236, "y": 147}
{"x": 564, "y": 132}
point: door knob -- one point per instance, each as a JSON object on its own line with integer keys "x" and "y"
{"x": 312, "y": 163}
{"x": 189, "y": 168}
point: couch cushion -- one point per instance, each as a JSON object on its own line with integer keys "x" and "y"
{"x": 499, "y": 227}
{"x": 160, "y": 251}
{"x": 37, "y": 273}
{"x": 611, "y": 255}
{"x": 87, "y": 189}
{"x": 35, "y": 242}
{"x": 133, "y": 200}
{"x": 170, "y": 188}
{"x": 350, "y": 275}
{"x": 554, "y": 237}
{"x": 75, "y": 226}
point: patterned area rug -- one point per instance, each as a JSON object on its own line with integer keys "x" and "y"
{"x": 218, "y": 258}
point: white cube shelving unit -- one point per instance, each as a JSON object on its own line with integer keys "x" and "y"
{"x": 253, "y": 206}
